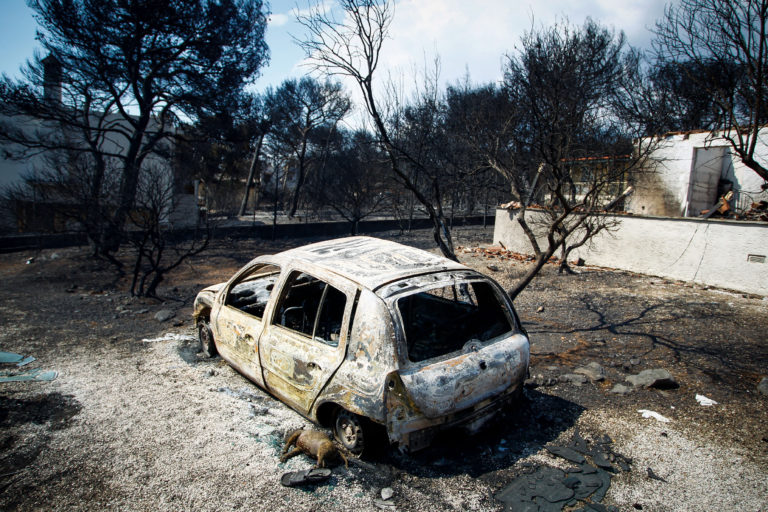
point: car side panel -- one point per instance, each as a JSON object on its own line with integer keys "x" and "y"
{"x": 358, "y": 385}
{"x": 297, "y": 368}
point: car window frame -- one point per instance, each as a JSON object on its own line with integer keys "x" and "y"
{"x": 242, "y": 275}
{"x": 402, "y": 342}
{"x": 349, "y": 292}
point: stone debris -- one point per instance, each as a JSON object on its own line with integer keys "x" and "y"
{"x": 574, "y": 378}
{"x": 657, "y": 378}
{"x": 763, "y": 386}
{"x": 387, "y": 493}
{"x": 621, "y": 389}
{"x": 593, "y": 371}
{"x": 540, "y": 380}
{"x": 164, "y": 315}
{"x": 495, "y": 252}
{"x": 706, "y": 402}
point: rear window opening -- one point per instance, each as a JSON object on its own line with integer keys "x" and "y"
{"x": 443, "y": 320}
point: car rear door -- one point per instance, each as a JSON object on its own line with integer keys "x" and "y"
{"x": 305, "y": 341}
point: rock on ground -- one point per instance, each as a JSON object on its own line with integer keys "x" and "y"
{"x": 763, "y": 386}
{"x": 164, "y": 315}
{"x": 656, "y": 378}
{"x": 593, "y": 371}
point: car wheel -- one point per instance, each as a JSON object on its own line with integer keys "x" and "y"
{"x": 204, "y": 333}
{"x": 349, "y": 430}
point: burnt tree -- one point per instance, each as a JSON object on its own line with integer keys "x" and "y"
{"x": 720, "y": 47}
{"x": 119, "y": 76}
{"x": 351, "y": 46}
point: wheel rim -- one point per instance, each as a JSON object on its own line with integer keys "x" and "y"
{"x": 205, "y": 337}
{"x": 349, "y": 431}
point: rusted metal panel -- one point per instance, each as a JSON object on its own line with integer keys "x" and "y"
{"x": 237, "y": 336}
{"x": 444, "y": 387}
{"x": 369, "y": 262}
{"x": 358, "y": 385}
{"x": 297, "y": 367}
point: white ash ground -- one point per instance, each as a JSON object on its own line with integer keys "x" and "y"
{"x": 150, "y": 427}
{"x": 157, "y": 433}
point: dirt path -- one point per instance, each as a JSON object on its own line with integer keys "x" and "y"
{"x": 149, "y": 425}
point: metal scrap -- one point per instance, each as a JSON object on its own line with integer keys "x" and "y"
{"x": 545, "y": 488}
{"x": 32, "y": 375}
{"x": 36, "y": 374}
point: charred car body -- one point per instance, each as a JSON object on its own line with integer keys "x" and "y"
{"x": 359, "y": 330}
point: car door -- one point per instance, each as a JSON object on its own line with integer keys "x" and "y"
{"x": 240, "y": 319}
{"x": 304, "y": 343}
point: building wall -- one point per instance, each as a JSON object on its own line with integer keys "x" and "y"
{"x": 679, "y": 179}
{"x": 14, "y": 169}
{"x": 721, "y": 253}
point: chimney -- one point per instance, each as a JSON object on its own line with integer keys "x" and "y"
{"x": 51, "y": 80}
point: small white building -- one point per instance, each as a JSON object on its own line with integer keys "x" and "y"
{"x": 690, "y": 171}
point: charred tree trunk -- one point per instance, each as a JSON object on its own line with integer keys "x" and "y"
{"x": 250, "y": 181}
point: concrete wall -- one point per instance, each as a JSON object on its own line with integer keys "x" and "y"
{"x": 721, "y": 253}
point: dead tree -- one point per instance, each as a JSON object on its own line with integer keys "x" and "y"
{"x": 351, "y": 180}
{"x": 704, "y": 38}
{"x": 565, "y": 83}
{"x": 151, "y": 233}
{"x": 119, "y": 77}
{"x": 299, "y": 109}
{"x": 351, "y": 47}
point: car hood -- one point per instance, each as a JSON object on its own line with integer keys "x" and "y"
{"x": 213, "y": 288}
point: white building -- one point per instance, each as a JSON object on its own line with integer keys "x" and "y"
{"x": 689, "y": 172}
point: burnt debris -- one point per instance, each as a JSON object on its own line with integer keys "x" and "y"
{"x": 545, "y": 489}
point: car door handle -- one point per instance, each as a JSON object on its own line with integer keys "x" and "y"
{"x": 313, "y": 366}
{"x": 248, "y": 339}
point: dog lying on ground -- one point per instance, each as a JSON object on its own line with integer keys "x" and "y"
{"x": 313, "y": 443}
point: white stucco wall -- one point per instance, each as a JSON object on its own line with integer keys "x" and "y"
{"x": 14, "y": 170}
{"x": 665, "y": 189}
{"x": 710, "y": 252}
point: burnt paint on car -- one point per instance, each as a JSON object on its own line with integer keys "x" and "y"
{"x": 368, "y": 372}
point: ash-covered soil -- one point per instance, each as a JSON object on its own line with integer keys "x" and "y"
{"x": 136, "y": 420}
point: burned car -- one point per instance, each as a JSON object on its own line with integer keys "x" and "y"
{"x": 359, "y": 332}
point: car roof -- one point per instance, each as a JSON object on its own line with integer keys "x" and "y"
{"x": 369, "y": 262}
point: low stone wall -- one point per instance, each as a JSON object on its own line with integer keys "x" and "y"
{"x": 242, "y": 229}
{"x": 721, "y": 253}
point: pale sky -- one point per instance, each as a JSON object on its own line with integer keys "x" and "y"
{"x": 467, "y": 35}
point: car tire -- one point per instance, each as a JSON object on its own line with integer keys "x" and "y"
{"x": 205, "y": 335}
{"x": 349, "y": 429}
